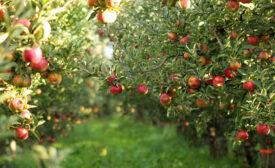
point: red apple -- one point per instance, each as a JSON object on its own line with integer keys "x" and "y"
{"x": 107, "y": 16}
{"x": 233, "y": 35}
{"x": 234, "y": 65}
{"x": 185, "y": 4}
{"x": 246, "y": 53}
{"x": 249, "y": 85}
{"x": 208, "y": 79}
{"x": 242, "y": 135}
{"x": 164, "y": 1}
{"x": 205, "y": 48}
{"x": 115, "y": 89}
{"x": 218, "y": 82}
{"x": 263, "y": 129}
{"x": 265, "y": 37}
{"x": 229, "y": 73}
{"x": 16, "y": 105}
{"x": 1, "y": 12}
{"x": 173, "y": 77}
{"x": 40, "y": 66}
{"x": 165, "y": 99}
{"x": 24, "y": 22}
{"x": 185, "y": 56}
{"x": 100, "y": 32}
{"x": 55, "y": 78}
{"x": 264, "y": 55}
{"x": 232, "y": 107}
{"x": 172, "y": 36}
{"x": 202, "y": 103}
{"x": 245, "y": 1}
{"x": 184, "y": 40}
{"x": 38, "y": 91}
{"x": 91, "y": 3}
{"x": 190, "y": 90}
{"x": 21, "y": 133}
{"x": 142, "y": 89}
{"x": 233, "y": 6}
{"x": 194, "y": 82}
{"x": 253, "y": 40}
{"x": 33, "y": 55}
{"x": 26, "y": 114}
{"x": 113, "y": 3}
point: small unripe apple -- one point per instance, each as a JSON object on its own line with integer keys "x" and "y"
{"x": 142, "y": 89}
{"x": 242, "y": 135}
{"x": 249, "y": 85}
{"x": 194, "y": 82}
{"x": 185, "y": 4}
{"x": 234, "y": 65}
{"x": 233, "y": 6}
{"x": 9, "y": 56}
{"x": 24, "y": 22}
{"x": 229, "y": 73}
{"x": 55, "y": 78}
{"x": 33, "y": 55}
{"x": 26, "y": 114}
{"x": 218, "y": 82}
{"x": 263, "y": 129}
{"x": 112, "y": 3}
{"x": 40, "y": 66}
{"x": 172, "y": 36}
{"x": 264, "y": 55}
{"x": 116, "y": 89}
{"x": 184, "y": 40}
{"x": 245, "y": 1}
{"x": 16, "y": 105}
{"x": 202, "y": 103}
{"x": 107, "y": 16}
{"x": 253, "y": 40}
{"x": 165, "y": 99}
{"x": 21, "y": 133}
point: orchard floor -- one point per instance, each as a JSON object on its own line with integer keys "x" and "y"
{"x": 115, "y": 142}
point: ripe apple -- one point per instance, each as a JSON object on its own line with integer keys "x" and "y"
{"x": 253, "y": 40}
{"x": 229, "y": 73}
{"x": 172, "y": 36}
{"x": 115, "y": 89}
{"x": 185, "y": 56}
{"x": 33, "y": 55}
{"x": 40, "y": 66}
{"x": 21, "y": 133}
{"x": 242, "y": 135}
{"x": 24, "y": 22}
{"x": 107, "y": 16}
{"x": 208, "y": 79}
{"x": 142, "y": 89}
{"x": 100, "y": 32}
{"x": 249, "y": 85}
{"x": 112, "y": 3}
{"x": 245, "y": 1}
{"x": 202, "y": 60}
{"x": 16, "y": 105}
{"x": 91, "y": 3}
{"x": 264, "y": 55}
{"x": 164, "y": 1}
{"x": 265, "y": 37}
{"x": 263, "y": 129}
{"x": 234, "y": 65}
{"x": 190, "y": 90}
{"x": 165, "y": 99}
{"x": 233, "y": 6}
{"x": 173, "y": 77}
{"x": 185, "y": 4}
{"x": 232, "y": 107}
{"x": 184, "y": 40}
{"x": 205, "y": 48}
{"x": 218, "y": 82}
{"x": 202, "y": 103}
{"x": 1, "y": 12}
{"x": 112, "y": 79}
{"x": 26, "y": 114}
{"x": 38, "y": 91}
{"x": 246, "y": 53}
{"x": 233, "y": 35}
{"x": 194, "y": 82}
{"x": 55, "y": 78}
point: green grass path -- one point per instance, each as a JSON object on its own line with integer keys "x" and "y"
{"x": 115, "y": 142}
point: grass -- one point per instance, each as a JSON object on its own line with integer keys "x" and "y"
{"x": 115, "y": 142}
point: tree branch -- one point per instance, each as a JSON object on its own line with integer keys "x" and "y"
{"x": 219, "y": 40}
{"x": 156, "y": 67}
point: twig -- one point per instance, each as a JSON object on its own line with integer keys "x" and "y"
{"x": 219, "y": 40}
{"x": 90, "y": 73}
{"x": 156, "y": 67}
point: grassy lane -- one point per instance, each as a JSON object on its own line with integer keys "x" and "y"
{"x": 123, "y": 143}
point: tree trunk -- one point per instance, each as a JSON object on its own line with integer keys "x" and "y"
{"x": 267, "y": 159}
{"x": 218, "y": 146}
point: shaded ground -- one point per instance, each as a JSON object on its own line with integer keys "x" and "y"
{"x": 123, "y": 143}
